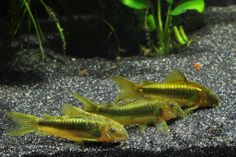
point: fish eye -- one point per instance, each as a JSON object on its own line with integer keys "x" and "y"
{"x": 172, "y": 105}
{"x": 112, "y": 130}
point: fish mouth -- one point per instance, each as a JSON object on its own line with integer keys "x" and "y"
{"x": 122, "y": 138}
{"x": 117, "y": 139}
{"x": 213, "y": 99}
{"x": 216, "y": 102}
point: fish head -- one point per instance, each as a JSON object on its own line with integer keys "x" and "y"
{"x": 210, "y": 99}
{"x": 113, "y": 132}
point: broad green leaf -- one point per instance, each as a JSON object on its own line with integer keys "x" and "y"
{"x": 170, "y": 1}
{"x": 151, "y": 23}
{"x": 197, "y": 5}
{"x": 135, "y": 4}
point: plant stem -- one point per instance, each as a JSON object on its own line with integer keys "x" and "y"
{"x": 115, "y": 34}
{"x": 167, "y": 33}
{"x": 168, "y": 20}
{"x": 153, "y": 9}
{"x": 36, "y": 29}
{"x": 159, "y": 17}
{"x": 59, "y": 27}
{"x": 156, "y": 11}
{"x": 146, "y": 27}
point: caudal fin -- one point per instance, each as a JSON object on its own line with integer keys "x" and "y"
{"x": 88, "y": 105}
{"x": 24, "y": 123}
{"x": 127, "y": 88}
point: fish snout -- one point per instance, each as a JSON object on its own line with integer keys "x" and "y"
{"x": 115, "y": 133}
{"x": 212, "y": 99}
{"x": 121, "y": 134}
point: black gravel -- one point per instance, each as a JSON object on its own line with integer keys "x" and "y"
{"x": 42, "y": 88}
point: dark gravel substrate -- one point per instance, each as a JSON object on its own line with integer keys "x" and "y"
{"x": 42, "y": 88}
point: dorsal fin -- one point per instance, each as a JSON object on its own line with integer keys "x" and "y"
{"x": 175, "y": 75}
{"x": 88, "y": 105}
{"x": 47, "y": 116}
{"x": 146, "y": 82}
{"x": 70, "y": 110}
{"x": 127, "y": 88}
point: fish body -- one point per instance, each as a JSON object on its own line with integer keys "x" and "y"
{"x": 76, "y": 128}
{"x": 174, "y": 88}
{"x": 138, "y": 111}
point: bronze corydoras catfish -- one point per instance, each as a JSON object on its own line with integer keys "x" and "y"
{"x": 136, "y": 112}
{"x": 174, "y": 88}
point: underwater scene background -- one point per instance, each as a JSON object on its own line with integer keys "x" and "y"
{"x": 34, "y": 86}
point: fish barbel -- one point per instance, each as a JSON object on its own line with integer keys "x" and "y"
{"x": 75, "y": 128}
{"x": 174, "y": 88}
{"x": 139, "y": 111}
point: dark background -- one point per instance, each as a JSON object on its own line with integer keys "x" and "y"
{"x": 87, "y": 34}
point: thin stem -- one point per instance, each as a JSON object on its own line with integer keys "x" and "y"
{"x": 168, "y": 20}
{"x": 152, "y": 6}
{"x": 156, "y": 11}
{"x": 115, "y": 34}
{"x": 36, "y": 29}
{"x": 162, "y": 43}
{"x": 146, "y": 27}
{"x": 59, "y": 28}
{"x": 159, "y": 17}
{"x": 167, "y": 33}
{"x": 17, "y": 23}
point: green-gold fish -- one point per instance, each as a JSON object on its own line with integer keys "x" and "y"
{"x": 175, "y": 88}
{"x": 138, "y": 111}
{"x": 80, "y": 127}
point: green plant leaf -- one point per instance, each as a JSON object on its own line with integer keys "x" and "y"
{"x": 135, "y": 4}
{"x": 197, "y": 5}
{"x": 170, "y": 1}
{"x": 151, "y": 22}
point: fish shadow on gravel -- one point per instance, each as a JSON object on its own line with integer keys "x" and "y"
{"x": 111, "y": 152}
{"x": 18, "y": 77}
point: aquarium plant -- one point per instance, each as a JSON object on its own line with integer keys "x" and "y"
{"x": 21, "y": 11}
{"x": 162, "y": 23}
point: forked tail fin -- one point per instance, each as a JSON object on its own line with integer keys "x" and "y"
{"x": 127, "y": 88}
{"x": 24, "y": 123}
{"x": 88, "y": 105}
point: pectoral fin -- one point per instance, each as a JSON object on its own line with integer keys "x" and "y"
{"x": 162, "y": 126}
{"x": 192, "y": 105}
{"x": 142, "y": 128}
{"x": 181, "y": 113}
{"x": 177, "y": 110}
{"x": 41, "y": 133}
{"x": 190, "y": 109}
